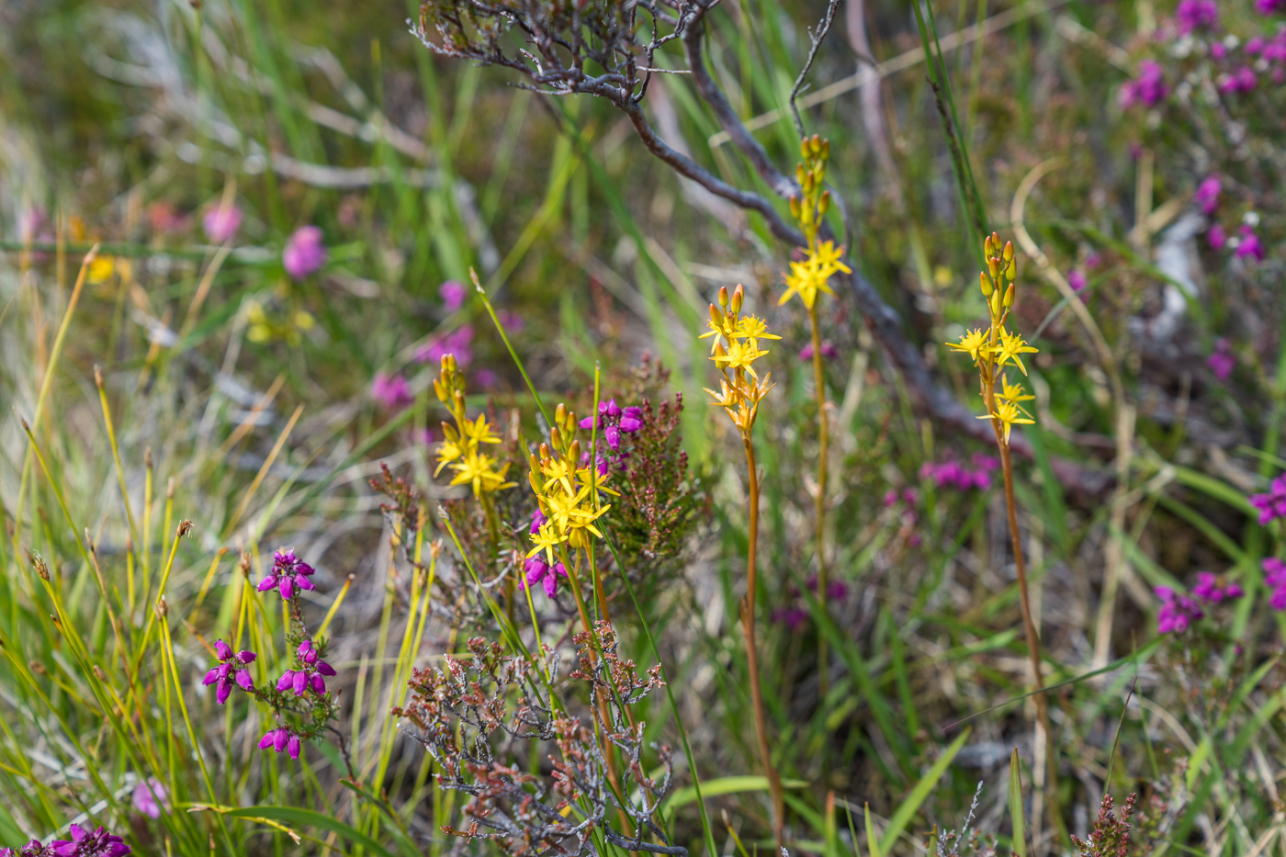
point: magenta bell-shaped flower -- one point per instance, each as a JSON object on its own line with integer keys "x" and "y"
{"x": 231, "y": 670}
{"x": 279, "y": 740}
{"x": 289, "y": 573}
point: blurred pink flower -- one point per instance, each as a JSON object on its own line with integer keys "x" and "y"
{"x": 1242, "y": 80}
{"x": 1250, "y": 245}
{"x": 1217, "y": 237}
{"x": 1222, "y": 361}
{"x": 829, "y": 351}
{"x": 452, "y": 294}
{"x": 304, "y": 252}
{"x": 393, "y": 393}
{"x": 1076, "y": 279}
{"x": 150, "y": 797}
{"x": 1149, "y": 88}
{"x": 511, "y": 321}
{"x": 456, "y": 342}
{"x": 166, "y": 218}
{"x": 221, "y": 223}
{"x": 1197, "y": 14}
{"x": 1207, "y": 195}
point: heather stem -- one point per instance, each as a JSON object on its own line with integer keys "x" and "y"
{"x": 752, "y": 657}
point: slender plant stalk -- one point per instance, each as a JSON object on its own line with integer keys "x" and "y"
{"x": 752, "y": 657}
{"x": 823, "y": 659}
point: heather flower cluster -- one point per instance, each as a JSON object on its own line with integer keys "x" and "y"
{"x": 1148, "y": 89}
{"x": 952, "y": 474}
{"x": 289, "y": 573}
{"x": 613, "y": 420}
{"x": 794, "y": 614}
{"x": 455, "y": 343}
{"x": 304, "y": 252}
{"x": 1179, "y": 610}
{"x": 392, "y": 392}
{"x": 1272, "y": 504}
{"x": 1275, "y": 580}
{"x": 83, "y": 843}
{"x": 536, "y": 569}
{"x": 1197, "y": 15}
{"x": 233, "y": 669}
{"x": 301, "y": 690}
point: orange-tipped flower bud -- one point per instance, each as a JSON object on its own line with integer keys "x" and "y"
{"x": 987, "y": 247}
{"x": 723, "y": 297}
{"x": 799, "y": 172}
{"x": 985, "y": 282}
{"x": 826, "y": 148}
{"x": 815, "y": 145}
{"x": 544, "y": 447}
{"x": 794, "y": 207}
{"x": 993, "y": 265}
{"x": 1012, "y": 271}
{"x": 995, "y": 304}
{"x": 560, "y": 414}
{"x": 1009, "y": 251}
{"x": 1009, "y": 296}
{"x": 824, "y": 204}
{"x": 803, "y": 148}
{"x": 574, "y": 453}
{"x": 738, "y": 296}
{"x": 716, "y": 316}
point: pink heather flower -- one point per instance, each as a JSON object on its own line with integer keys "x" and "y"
{"x": 1271, "y": 505}
{"x": 836, "y": 590}
{"x": 1093, "y": 260}
{"x": 456, "y": 343}
{"x": 1207, "y": 195}
{"x": 1217, "y": 50}
{"x": 538, "y": 520}
{"x": 150, "y": 797}
{"x": 1275, "y": 579}
{"x": 221, "y": 223}
{"x": 792, "y": 617}
{"x": 1209, "y": 590}
{"x": 539, "y": 571}
{"x": 485, "y": 378}
{"x": 829, "y": 351}
{"x": 1268, "y": 7}
{"x": 1076, "y": 279}
{"x": 512, "y": 322}
{"x": 950, "y": 474}
{"x": 289, "y": 573}
{"x": 452, "y": 294}
{"x": 614, "y": 419}
{"x": 1148, "y": 88}
{"x": 1177, "y": 611}
{"x": 1250, "y": 245}
{"x": 83, "y": 843}
{"x": 393, "y": 392}
{"x": 304, "y": 252}
{"x": 891, "y": 497}
{"x": 310, "y": 673}
{"x": 426, "y": 437}
{"x": 1254, "y": 45}
{"x": 1196, "y": 15}
{"x": 1240, "y": 81}
{"x": 281, "y": 739}
{"x": 232, "y": 669}
{"x": 1217, "y": 237}
{"x": 1222, "y": 361}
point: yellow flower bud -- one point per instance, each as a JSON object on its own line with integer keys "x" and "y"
{"x": 995, "y": 304}
{"x": 815, "y": 145}
{"x": 716, "y": 316}
{"x": 560, "y": 414}
{"x": 799, "y": 172}
{"x": 1012, "y": 271}
{"x": 1009, "y": 251}
{"x": 1009, "y": 296}
{"x": 738, "y": 296}
{"x": 803, "y": 148}
{"x": 993, "y": 265}
{"x": 794, "y": 207}
{"x": 574, "y": 453}
{"x": 826, "y": 149}
{"x": 824, "y": 203}
{"x": 723, "y": 296}
{"x": 985, "y": 282}
{"x": 556, "y": 438}
{"x": 988, "y": 247}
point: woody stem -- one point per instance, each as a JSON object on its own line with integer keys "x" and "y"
{"x": 752, "y": 657}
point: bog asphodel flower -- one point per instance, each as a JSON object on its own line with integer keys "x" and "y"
{"x": 995, "y": 348}
{"x": 568, "y": 493}
{"x": 736, "y": 348}
{"x": 462, "y": 443}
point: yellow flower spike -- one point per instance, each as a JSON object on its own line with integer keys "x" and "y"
{"x": 1008, "y": 414}
{"x": 974, "y": 343}
{"x": 480, "y": 472}
{"x": 1010, "y": 348}
{"x": 451, "y": 449}
{"x": 740, "y": 355}
{"x": 752, "y": 330}
{"x": 1012, "y": 392}
{"x": 546, "y": 539}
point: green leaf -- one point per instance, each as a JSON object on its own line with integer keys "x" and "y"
{"x": 722, "y": 786}
{"x": 906, "y": 811}
{"x": 1016, "y": 806}
{"x": 306, "y": 818}
{"x": 872, "y": 843}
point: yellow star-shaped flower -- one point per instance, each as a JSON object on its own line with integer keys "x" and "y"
{"x": 973, "y": 343}
{"x": 1008, "y": 414}
{"x": 1010, "y": 348}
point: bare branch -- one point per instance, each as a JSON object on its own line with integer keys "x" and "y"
{"x": 817, "y": 38}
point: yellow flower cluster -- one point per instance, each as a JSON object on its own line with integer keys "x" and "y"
{"x": 994, "y": 348}
{"x": 462, "y": 444}
{"x": 567, "y": 493}
{"x": 735, "y": 349}
{"x": 260, "y": 328}
{"x": 822, "y": 260}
